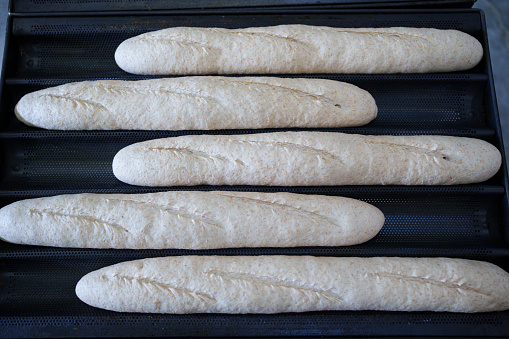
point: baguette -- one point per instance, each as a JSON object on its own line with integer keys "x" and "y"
{"x": 274, "y": 284}
{"x": 306, "y": 159}
{"x": 197, "y": 103}
{"x": 298, "y": 49}
{"x": 189, "y": 220}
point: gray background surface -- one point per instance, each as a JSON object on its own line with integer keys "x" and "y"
{"x": 497, "y": 20}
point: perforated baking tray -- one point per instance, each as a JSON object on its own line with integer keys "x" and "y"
{"x": 35, "y": 6}
{"x": 37, "y": 283}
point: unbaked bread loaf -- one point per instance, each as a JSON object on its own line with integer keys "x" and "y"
{"x": 306, "y": 158}
{"x": 298, "y": 49}
{"x": 273, "y": 284}
{"x": 197, "y": 103}
{"x": 190, "y": 220}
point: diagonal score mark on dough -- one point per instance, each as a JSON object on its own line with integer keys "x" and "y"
{"x": 164, "y": 35}
{"x": 84, "y": 218}
{"x": 171, "y": 210}
{"x": 122, "y": 89}
{"x": 448, "y": 285}
{"x": 275, "y": 282}
{"x": 197, "y": 46}
{"x": 410, "y": 148}
{"x": 88, "y": 104}
{"x": 165, "y": 287}
{"x": 412, "y": 37}
{"x": 195, "y": 153}
{"x": 294, "y": 146}
{"x": 299, "y": 94}
{"x": 291, "y": 209}
{"x": 272, "y": 144}
{"x": 289, "y": 41}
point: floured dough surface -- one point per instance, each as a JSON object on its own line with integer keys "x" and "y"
{"x": 306, "y": 159}
{"x": 189, "y": 220}
{"x": 198, "y": 103}
{"x": 274, "y": 284}
{"x": 298, "y": 49}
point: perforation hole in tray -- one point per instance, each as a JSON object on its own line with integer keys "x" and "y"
{"x": 409, "y": 221}
{"x": 126, "y": 30}
{"x": 447, "y": 319}
{"x": 71, "y": 57}
{"x": 450, "y": 24}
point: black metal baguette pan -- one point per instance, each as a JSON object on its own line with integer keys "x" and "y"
{"x": 37, "y": 283}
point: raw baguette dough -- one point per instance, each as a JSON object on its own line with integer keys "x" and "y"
{"x": 273, "y": 284}
{"x": 197, "y": 103}
{"x": 190, "y": 220}
{"x": 298, "y": 49}
{"x": 306, "y": 158}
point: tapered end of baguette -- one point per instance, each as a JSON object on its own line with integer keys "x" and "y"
{"x": 24, "y": 110}
{"x": 60, "y": 108}
{"x": 127, "y": 61}
{"x": 480, "y": 159}
{"x": 123, "y": 288}
{"x": 468, "y": 51}
{"x": 9, "y": 224}
{"x": 127, "y": 170}
{"x": 45, "y": 222}
{"x": 94, "y": 289}
{"x": 147, "y": 54}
